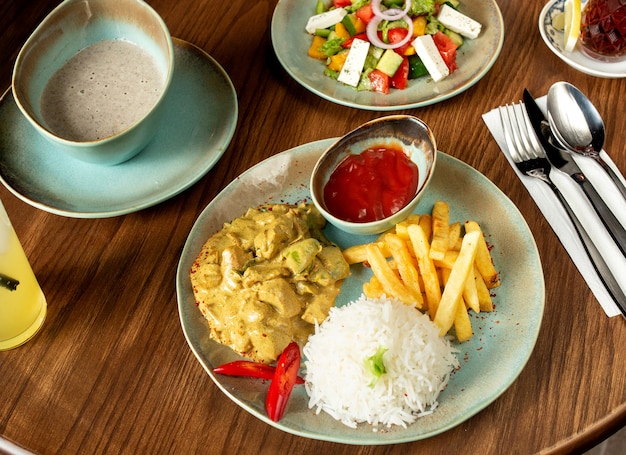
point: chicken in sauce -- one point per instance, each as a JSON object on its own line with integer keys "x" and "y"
{"x": 266, "y": 278}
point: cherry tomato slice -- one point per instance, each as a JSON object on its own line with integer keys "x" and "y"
{"x": 348, "y": 43}
{"x": 447, "y": 49}
{"x": 342, "y": 3}
{"x": 365, "y": 13}
{"x": 396, "y": 35}
{"x": 400, "y": 79}
{"x": 379, "y": 81}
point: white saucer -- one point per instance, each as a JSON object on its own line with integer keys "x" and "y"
{"x": 576, "y": 59}
{"x": 199, "y": 125}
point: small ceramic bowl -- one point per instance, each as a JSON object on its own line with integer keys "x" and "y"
{"x": 72, "y": 27}
{"x": 409, "y": 133}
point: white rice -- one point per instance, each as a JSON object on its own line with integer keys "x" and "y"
{"x": 418, "y": 364}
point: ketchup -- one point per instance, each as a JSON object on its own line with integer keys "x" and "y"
{"x": 372, "y": 185}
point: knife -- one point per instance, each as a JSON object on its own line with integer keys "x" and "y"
{"x": 597, "y": 261}
{"x": 564, "y": 162}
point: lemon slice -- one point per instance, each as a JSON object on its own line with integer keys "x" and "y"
{"x": 572, "y": 24}
{"x": 558, "y": 21}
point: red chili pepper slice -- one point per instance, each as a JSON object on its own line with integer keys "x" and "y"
{"x": 249, "y": 369}
{"x": 282, "y": 384}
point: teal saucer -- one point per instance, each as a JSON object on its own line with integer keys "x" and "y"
{"x": 197, "y": 129}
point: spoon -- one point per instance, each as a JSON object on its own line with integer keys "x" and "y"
{"x": 577, "y": 126}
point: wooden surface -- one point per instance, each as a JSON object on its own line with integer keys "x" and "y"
{"x": 111, "y": 372}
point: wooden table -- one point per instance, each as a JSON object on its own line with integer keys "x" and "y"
{"x": 111, "y": 372}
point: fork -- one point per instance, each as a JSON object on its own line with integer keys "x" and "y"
{"x": 530, "y": 159}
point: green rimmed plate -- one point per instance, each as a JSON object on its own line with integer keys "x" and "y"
{"x": 490, "y": 361}
{"x": 475, "y": 58}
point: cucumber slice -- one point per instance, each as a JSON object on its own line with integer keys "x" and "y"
{"x": 349, "y": 21}
{"x": 416, "y": 67}
{"x": 389, "y": 62}
{"x": 323, "y": 32}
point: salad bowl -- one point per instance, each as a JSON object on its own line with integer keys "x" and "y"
{"x": 475, "y": 58}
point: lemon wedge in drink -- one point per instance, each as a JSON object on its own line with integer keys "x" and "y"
{"x": 572, "y": 24}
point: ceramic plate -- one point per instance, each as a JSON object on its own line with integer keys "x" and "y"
{"x": 576, "y": 59}
{"x": 291, "y": 43}
{"x": 490, "y": 361}
{"x": 198, "y": 127}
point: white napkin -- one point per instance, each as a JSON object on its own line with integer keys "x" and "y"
{"x": 556, "y": 216}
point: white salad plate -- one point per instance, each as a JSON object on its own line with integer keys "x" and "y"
{"x": 198, "y": 126}
{"x": 490, "y": 362}
{"x": 475, "y": 58}
{"x": 577, "y": 58}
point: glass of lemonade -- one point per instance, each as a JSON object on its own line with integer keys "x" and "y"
{"x": 22, "y": 303}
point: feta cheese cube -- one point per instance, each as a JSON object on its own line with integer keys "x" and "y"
{"x": 353, "y": 67}
{"x": 429, "y": 54}
{"x": 325, "y": 20}
{"x": 458, "y": 22}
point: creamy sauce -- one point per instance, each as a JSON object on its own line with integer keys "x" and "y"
{"x": 102, "y": 90}
{"x": 266, "y": 278}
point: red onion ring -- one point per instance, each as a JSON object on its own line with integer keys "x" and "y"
{"x": 372, "y": 33}
{"x": 391, "y": 14}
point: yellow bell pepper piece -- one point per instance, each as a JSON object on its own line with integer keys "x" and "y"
{"x": 341, "y": 31}
{"x": 419, "y": 26}
{"x": 359, "y": 25}
{"x": 314, "y": 51}
{"x": 337, "y": 61}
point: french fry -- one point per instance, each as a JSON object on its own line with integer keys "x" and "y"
{"x": 441, "y": 230}
{"x": 484, "y": 298}
{"x": 357, "y": 254}
{"x": 446, "y": 311}
{"x": 454, "y": 241}
{"x": 420, "y": 245}
{"x": 406, "y": 269}
{"x": 483, "y": 257}
{"x": 414, "y": 261}
{"x": 470, "y": 293}
{"x": 444, "y": 274}
{"x": 372, "y": 288}
{"x": 401, "y": 227}
{"x": 462, "y": 323}
{"x": 448, "y": 260}
{"x": 389, "y": 281}
{"x": 426, "y": 223}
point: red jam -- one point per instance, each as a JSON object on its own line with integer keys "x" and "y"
{"x": 372, "y": 185}
{"x": 603, "y": 27}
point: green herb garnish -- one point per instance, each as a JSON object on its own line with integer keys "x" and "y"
{"x": 375, "y": 365}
